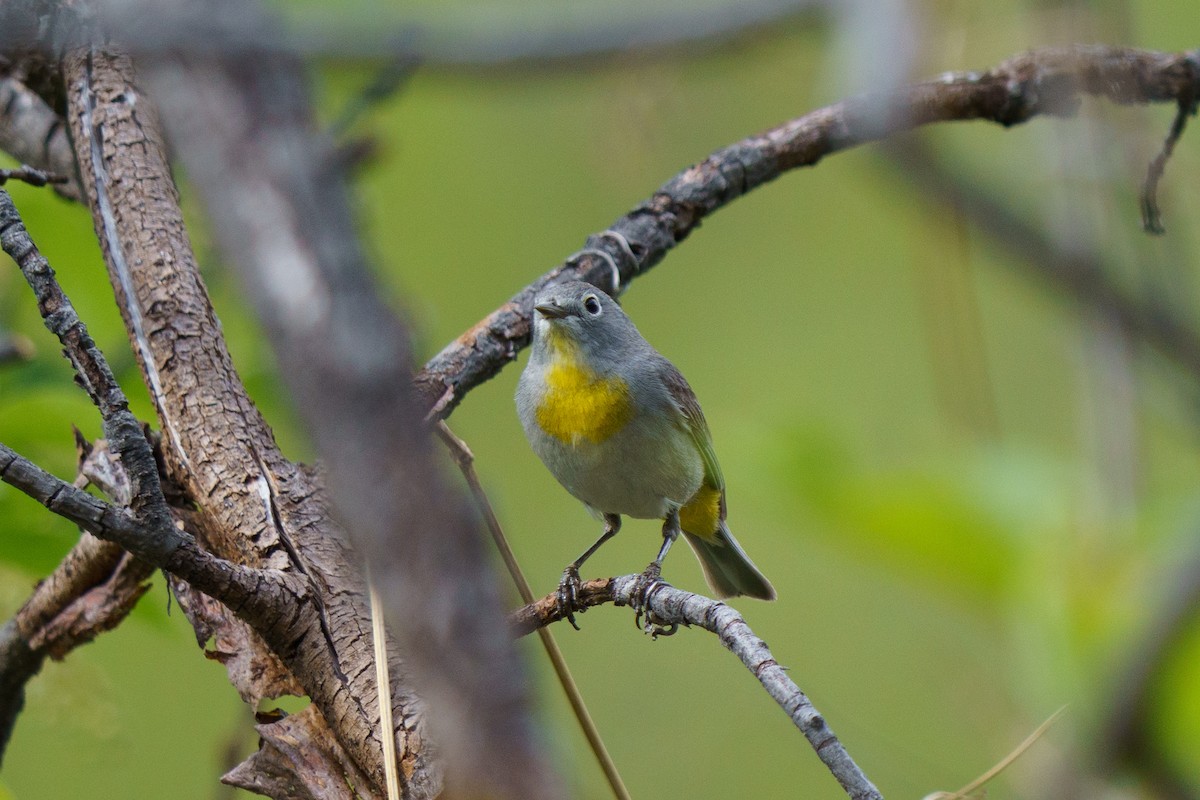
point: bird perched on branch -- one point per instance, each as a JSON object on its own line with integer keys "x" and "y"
{"x": 621, "y": 430}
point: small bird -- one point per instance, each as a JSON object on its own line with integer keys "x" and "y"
{"x": 621, "y": 430}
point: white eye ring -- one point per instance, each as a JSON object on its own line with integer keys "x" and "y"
{"x": 591, "y": 304}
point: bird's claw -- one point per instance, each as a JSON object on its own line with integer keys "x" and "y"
{"x": 647, "y": 582}
{"x": 567, "y": 595}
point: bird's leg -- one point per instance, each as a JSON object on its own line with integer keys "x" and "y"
{"x": 568, "y": 586}
{"x": 670, "y": 531}
{"x": 652, "y": 576}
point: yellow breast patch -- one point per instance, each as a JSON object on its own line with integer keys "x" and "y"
{"x": 579, "y": 405}
{"x": 702, "y": 513}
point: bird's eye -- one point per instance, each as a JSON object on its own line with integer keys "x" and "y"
{"x": 591, "y": 304}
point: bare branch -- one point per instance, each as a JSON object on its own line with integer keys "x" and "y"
{"x": 33, "y": 134}
{"x": 121, "y": 428}
{"x": 461, "y": 37}
{"x": 31, "y": 175}
{"x": 1151, "y": 216}
{"x": 88, "y": 512}
{"x": 670, "y": 607}
{"x": 1041, "y": 82}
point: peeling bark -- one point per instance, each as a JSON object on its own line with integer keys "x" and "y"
{"x": 256, "y": 507}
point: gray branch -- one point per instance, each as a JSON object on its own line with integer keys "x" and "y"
{"x": 167, "y": 547}
{"x": 464, "y": 37}
{"x": 669, "y": 607}
{"x": 123, "y": 431}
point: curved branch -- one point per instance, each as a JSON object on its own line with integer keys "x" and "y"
{"x": 1041, "y": 82}
{"x": 670, "y": 606}
{"x": 33, "y": 134}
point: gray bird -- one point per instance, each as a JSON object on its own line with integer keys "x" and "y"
{"x": 618, "y": 426}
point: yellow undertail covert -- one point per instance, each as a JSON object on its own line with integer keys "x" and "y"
{"x": 702, "y": 514}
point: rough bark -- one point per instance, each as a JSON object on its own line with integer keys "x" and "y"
{"x": 281, "y": 212}
{"x": 258, "y": 508}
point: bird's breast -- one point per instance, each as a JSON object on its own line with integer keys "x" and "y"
{"x": 578, "y": 405}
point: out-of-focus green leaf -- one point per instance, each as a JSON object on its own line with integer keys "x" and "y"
{"x": 36, "y": 422}
{"x": 1176, "y": 704}
{"x": 960, "y": 524}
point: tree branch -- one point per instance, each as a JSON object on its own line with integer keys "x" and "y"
{"x": 254, "y": 507}
{"x": 33, "y": 134}
{"x": 280, "y": 210}
{"x": 669, "y": 606}
{"x": 122, "y": 430}
{"x": 254, "y": 593}
{"x": 466, "y": 37}
{"x": 1041, "y": 82}
{"x": 91, "y": 591}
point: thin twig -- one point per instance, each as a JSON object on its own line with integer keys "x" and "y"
{"x": 974, "y": 786}
{"x": 466, "y": 462}
{"x": 390, "y": 78}
{"x": 32, "y": 133}
{"x": 30, "y": 175}
{"x": 670, "y": 607}
{"x": 383, "y": 693}
{"x": 255, "y": 593}
{"x": 1151, "y": 215}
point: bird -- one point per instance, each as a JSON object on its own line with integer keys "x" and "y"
{"x": 620, "y": 428}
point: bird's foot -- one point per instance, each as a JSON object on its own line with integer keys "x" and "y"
{"x": 647, "y": 583}
{"x": 568, "y": 595}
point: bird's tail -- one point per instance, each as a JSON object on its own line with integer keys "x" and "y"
{"x": 727, "y": 568}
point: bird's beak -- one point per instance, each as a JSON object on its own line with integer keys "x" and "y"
{"x": 551, "y": 310}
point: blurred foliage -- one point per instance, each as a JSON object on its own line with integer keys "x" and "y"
{"x": 974, "y": 498}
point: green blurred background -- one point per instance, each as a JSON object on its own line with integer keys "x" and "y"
{"x": 972, "y": 495}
